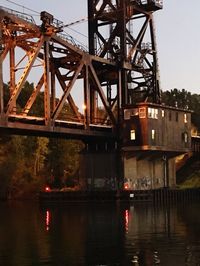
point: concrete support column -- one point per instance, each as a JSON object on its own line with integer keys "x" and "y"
{"x": 100, "y": 169}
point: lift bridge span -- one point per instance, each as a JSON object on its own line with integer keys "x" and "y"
{"x": 118, "y": 70}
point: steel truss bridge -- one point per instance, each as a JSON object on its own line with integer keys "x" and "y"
{"x": 119, "y": 69}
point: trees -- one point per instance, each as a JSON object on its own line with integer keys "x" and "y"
{"x": 27, "y": 162}
{"x": 185, "y": 100}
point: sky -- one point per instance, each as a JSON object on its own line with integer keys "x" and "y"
{"x": 177, "y": 34}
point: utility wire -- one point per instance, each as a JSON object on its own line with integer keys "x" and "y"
{"x": 78, "y": 32}
{"x": 12, "y": 2}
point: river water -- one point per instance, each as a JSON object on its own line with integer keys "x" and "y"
{"x": 99, "y": 234}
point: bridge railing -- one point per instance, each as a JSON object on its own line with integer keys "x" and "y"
{"x": 24, "y": 16}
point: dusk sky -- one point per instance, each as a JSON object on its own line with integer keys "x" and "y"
{"x": 177, "y": 32}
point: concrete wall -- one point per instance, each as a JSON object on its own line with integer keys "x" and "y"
{"x": 149, "y": 174}
{"x": 99, "y": 171}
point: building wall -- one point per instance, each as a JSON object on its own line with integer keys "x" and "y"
{"x": 157, "y": 126}
{"x": 99, "y": 170}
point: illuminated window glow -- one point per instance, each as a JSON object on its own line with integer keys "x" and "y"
{"x": 185, "y": 137}
{"x": 153, "y": 133}
{"x": 185, "y": 118}
{"x": 132, "y": 134}
{"x": 153, "y": 113}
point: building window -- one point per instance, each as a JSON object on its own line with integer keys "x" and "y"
{"x": 185, "y": 137}
{"x": 176, "y": 116}
{"x": 163, "y": 113}
{"x": 153, "y": 113}
{"x": 156, "y": 114}
{"x": 185, "y": 118}
{"x": 127, "y": 114}
{"x": 134, "y": 112}
{"x": 153, "y": 134}
{"x": 142, "y": 112}
{"x": 132, "y": 134}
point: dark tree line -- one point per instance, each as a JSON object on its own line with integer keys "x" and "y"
{"x": 28, "y": 163}
{"x": 184, "y": 100}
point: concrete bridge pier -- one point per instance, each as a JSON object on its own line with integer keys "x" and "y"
{"x": 100, "y": 167}
{"x": 105, "y": 167}
{"x": 144, "y": 171}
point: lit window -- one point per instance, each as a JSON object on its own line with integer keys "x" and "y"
{"x": 163, "y": 113}
{"x": 185, "y": 137}
{"x": 153, "y": 133}
{"x": 153, "y": 113}
{"x": 185, "y": 118}
{"x": 156, "y": 113}
{"x": 142, "y": 112}
{"x": 132, "y": 135}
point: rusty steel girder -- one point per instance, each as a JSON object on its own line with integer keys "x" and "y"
{"x": 59, "y": 64}
{"x": 123, "y": 31}
{"x": 120, "y": 68}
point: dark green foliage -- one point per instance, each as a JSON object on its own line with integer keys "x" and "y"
{"x": 28, "y": 163}
{"x": 184, "y": 100}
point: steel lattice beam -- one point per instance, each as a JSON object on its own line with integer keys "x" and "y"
{"x": 123, "y": 31}
{"x": 120, "y": 69}
{"x": 60, "y": 66}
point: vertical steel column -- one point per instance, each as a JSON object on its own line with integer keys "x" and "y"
{"x": 156, "y": 93}
{"x": 53, "y": 93}
{"x": 1, "y": 75}
{"x": 92, "y": 26}
{"x": 12, "y": 74}
{"x": 123, "y": 50}
{"x": 86, "y": 97}
{"x": 46, "y": 83}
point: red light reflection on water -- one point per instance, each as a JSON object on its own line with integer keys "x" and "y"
{"x": 126, "y": 220}
{"x": 47, "y": 220}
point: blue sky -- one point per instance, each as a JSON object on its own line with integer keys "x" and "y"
{"x": 177, "y": 32}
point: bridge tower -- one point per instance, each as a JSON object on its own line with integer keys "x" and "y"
{"x": 123, "y": 31}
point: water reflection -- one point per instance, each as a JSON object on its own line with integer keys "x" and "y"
{"x": 126, "y": 220}
{"x": 99, "y": 234}
{"x": 47, "y": 220}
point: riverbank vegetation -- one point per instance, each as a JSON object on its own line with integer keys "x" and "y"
{"x": 28, "y": 163}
